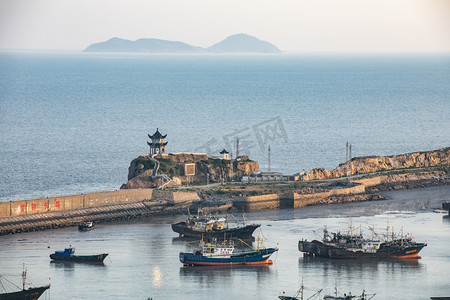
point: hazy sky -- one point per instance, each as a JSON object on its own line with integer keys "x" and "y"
{"x": 292, "y": 25}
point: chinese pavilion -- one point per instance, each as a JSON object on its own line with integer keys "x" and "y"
{"x": 157, "y": 145}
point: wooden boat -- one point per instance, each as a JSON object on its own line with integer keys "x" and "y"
{"x": 224, "y": 254}
{"x": 209, "y": 227}
{"x": 69, "y": 255}
{"x": 32, "y": 293}
{"x": 86, "y": 226}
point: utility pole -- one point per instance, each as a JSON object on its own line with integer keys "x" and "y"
{"x": 269, "y": 159}
{"x": 346, "y": 152}
{"x": 350, "y": 160}
{"x": 231, "y": 166}
{"x": 346, "y": 158}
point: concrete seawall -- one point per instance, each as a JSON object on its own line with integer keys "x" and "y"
{"x": 54, "y": 212}
{"x": 291, "y": 200}
{"x": 82, "y": 201}
{"x": 64, "y": 203}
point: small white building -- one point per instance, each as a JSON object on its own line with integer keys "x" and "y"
{"x": 271, "y": 176}
{"x": 225, "y": 154}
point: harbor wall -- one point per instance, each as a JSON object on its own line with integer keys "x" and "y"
{"x": 62, "y": 203}
{"x": 79, "y": 201}
{"x": 291, "y": 200}
{"x": 296, "y": 200}
{"x": 263, "y": 202}
{"x": 175, "y": 197}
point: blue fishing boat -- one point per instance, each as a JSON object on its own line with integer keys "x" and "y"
{"x": 224, "y": 254}
{"x": 69, "y": 255}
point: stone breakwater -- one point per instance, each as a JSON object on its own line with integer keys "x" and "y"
{"x": 42, "y": 213}
{"x": 54, "y": 212}
{"x": 364, "y": 190}
{"x": 369, "y": 164}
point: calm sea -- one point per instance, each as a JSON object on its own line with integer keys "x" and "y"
{"x": 143, "y": 256}
{"x": 72, "y": 122}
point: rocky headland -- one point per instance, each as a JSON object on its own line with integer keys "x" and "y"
{"x": 142, "y": 169}
{"x": 371, "y": 164}
{"x": 360, "y": 179}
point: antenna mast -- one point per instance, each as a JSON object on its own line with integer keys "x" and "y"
{"x": 350, "y": 159}
{"x": 231, "y": 166}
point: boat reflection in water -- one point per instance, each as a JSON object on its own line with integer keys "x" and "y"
{"x": 361, "y": 265}
{"x": 222, "y": 273}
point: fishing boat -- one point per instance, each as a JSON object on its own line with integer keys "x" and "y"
{"x": 224, "y": 254}
{"x": 350, "y": 245}
{"x": 86, "y": 226}
{"x": 363, "y": 296}
{"x": 32, "y": 293}
{"x": 210, "y": 227}
{"x": 299, "y": 294}
{"x": 69, "y": 255}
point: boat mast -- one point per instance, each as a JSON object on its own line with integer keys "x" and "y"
{"x": 24, "y": 276}
{"x": 351, "y": 228}
{"x": 387, "y": 231}
{"x": 258, "y": 241}
{"x": 325, "y": 234}
{"x": 227, "y": 220}
{"x": 402, "y": 237}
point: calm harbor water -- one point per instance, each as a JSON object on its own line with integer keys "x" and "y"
{"x": 72, "y": 122}
{"x": 143, "y": 260}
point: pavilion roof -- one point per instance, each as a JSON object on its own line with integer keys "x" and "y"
{"x": 157, "y": 135}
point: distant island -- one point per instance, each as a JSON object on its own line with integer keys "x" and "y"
{"x": 238, "y": 43}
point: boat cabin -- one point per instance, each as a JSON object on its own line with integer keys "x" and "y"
{"x": 224, "y": 249}
{"x": 370, "y": 246}
{"x": 66, "y": 252}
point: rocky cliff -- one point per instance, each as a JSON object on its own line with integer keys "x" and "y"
{"x": 140, "y": 172}
{"x": 368, "y": 164}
